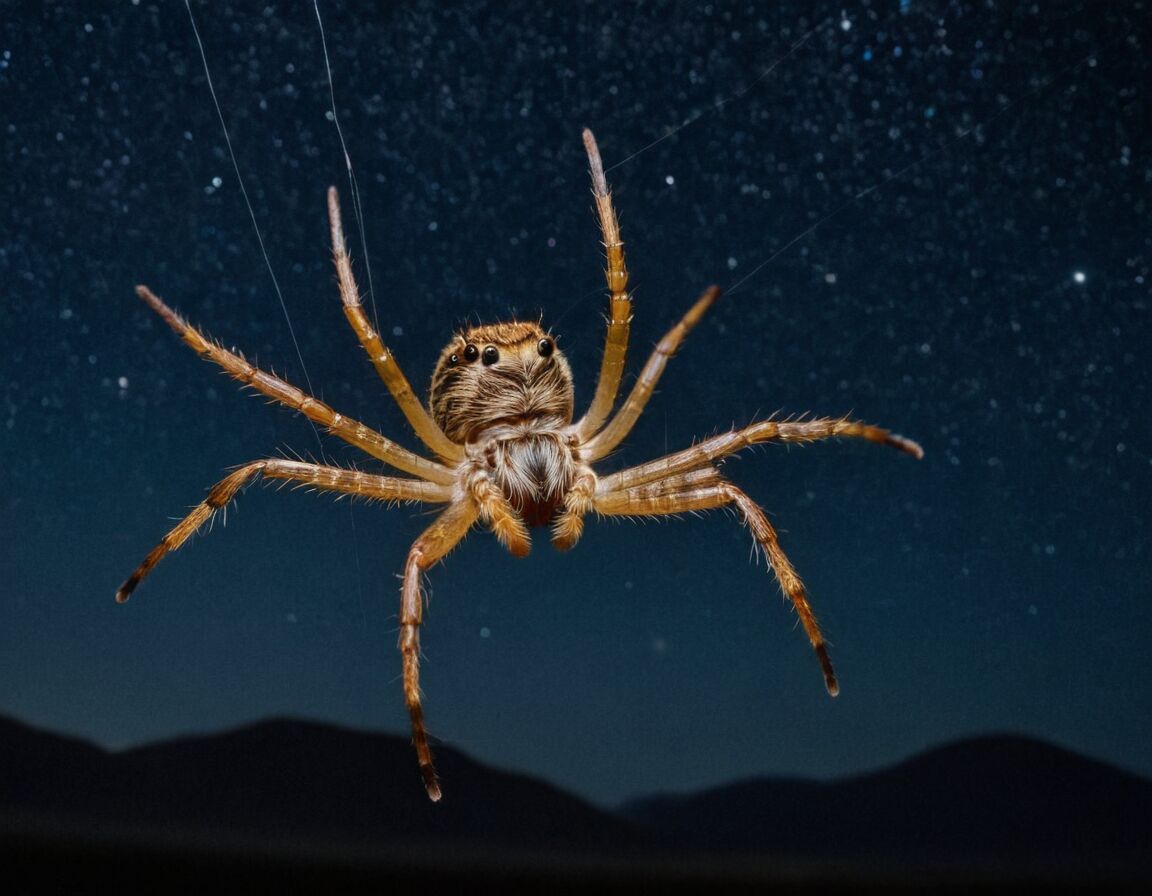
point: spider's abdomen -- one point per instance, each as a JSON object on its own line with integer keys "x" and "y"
{"x": 533, "y": 469}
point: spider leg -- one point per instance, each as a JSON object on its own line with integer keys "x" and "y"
{"x": 436, "y": 541}
{"x": 625, "y": 418}
{"x": 332, "y": 479}
{"x": 382, "y": 359}
{"x": 717, "y": 447}
{"x": 351, "y": 431}
{"x": 705, "y": 490}
{"x": 616, "y": 342}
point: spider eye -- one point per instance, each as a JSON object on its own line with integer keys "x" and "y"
{"x": 545, "y": 347}
{"x": 453, "y": 359}
{"x": 471, "y": 353}
{"x": 491, "y": 355}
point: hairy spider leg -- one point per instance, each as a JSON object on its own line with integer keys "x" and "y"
{"x": 620, "y": 305}
{"x": 382, "y": 359}
{"x": 705, "y": 490}
{"x": 351, "y": 431}
{"x": 329, "y": 479}
{"x": 436, "y": 541}
{"x": 717, "y": 447}
{"x": 625, "y": 418}
{"x": 569, "y": 524}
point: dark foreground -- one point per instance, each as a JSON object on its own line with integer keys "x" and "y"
{"x": 304, "y": 807}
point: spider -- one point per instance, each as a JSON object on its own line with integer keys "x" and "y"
{"x": 508, "y": 452}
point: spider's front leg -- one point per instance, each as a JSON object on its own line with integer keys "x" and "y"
{"x": 620, "y": 303}
{"x": 436, "y": 541}
{"x": 625, "y": 418}
{"x": 705, "y": 489}
{"x": 351, "y": 431}
{"x": 382, "y": 359}
{"x": 569, "y": 525}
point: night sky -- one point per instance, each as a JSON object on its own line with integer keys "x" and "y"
{"x": 934, "y": 216}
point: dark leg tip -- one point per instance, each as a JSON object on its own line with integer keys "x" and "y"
{"x": 830, "y": 682}
{"x": 126, "y": 590}
{"x": 430, "y": 783}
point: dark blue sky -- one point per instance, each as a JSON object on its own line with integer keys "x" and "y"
{"x": 979, "y": 280}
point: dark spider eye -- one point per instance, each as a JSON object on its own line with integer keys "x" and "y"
{"x": 453, "y": 359}
{"x": 545, "y": 347}
{"x": 471, "y": 353}
{"x": 491, "y": 355}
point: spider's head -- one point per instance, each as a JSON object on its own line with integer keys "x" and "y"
{"x": 499, "y": 373}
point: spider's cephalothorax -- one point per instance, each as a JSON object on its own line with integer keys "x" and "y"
{"x": 504, "y": 391}
{"x": 500, "y": 373}
{"x": 507, "y": 452}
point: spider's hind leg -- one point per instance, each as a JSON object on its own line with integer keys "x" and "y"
{"x": 705, "y": 490}
{"x": 436, "y": 541}
{"x": 786, "y": 575}
{"x": 323, "y": 478}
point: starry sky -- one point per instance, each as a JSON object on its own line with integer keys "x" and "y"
{"x": 933, "y": 216}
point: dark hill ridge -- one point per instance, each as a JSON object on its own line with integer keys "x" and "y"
{"x": 996, "y": 801}
{"x": 289, "y": 782}
{"x": 987, "y": 805}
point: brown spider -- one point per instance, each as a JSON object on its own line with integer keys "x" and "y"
{"x": 500, "y": 422}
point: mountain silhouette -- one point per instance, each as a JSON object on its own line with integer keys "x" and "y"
{"x": 288, "y": 782}
{"x": 308, "y": 798}
{"x": 994, "y": 802}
